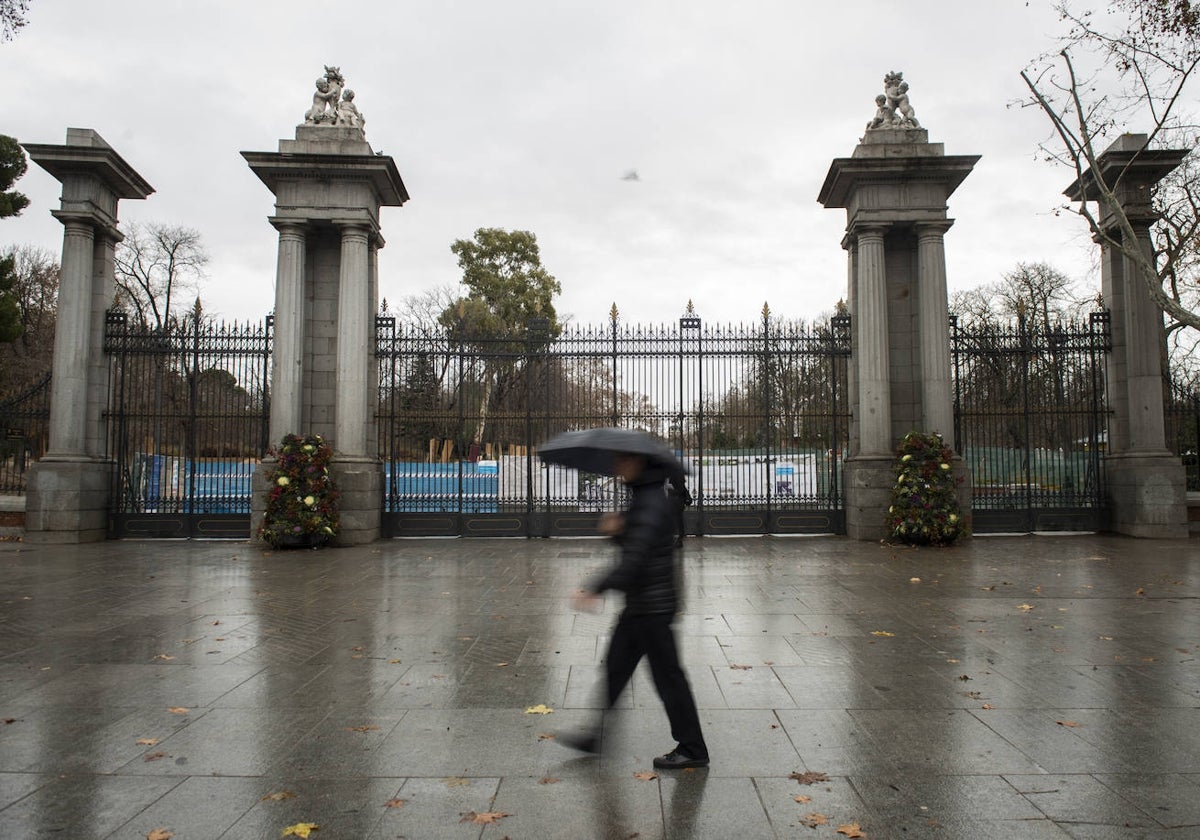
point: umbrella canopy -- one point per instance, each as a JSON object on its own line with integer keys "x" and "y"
{"x": 593, "y": 450}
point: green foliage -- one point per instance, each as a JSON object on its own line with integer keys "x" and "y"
{"x": 302, "y": 504}
{"x": 12, "y": 167}
{"x": 924, "y": 506}
{"x": 507, "y": 285}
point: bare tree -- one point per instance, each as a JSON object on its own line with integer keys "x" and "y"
{"x": 35, "y": 290}
{"x": 154, "y": 263}
{"x": 1131, "y": 67}
{"x": 1035, "y": 290}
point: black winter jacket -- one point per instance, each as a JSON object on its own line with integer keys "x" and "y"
{"x": 646, "y": 571}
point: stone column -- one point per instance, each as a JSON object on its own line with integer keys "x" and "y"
{"x": 354, "y": 318}
{"x": 1144, "y": 482}
{"x": 67, "y": 496}
{"x": 68, "y": 384}
{"x": 870, "y": 324}
{"x": 937, "y": 400}
{"x": 1144, "y": 339}
{"x": 288, "y": 352}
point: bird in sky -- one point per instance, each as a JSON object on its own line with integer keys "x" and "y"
{"x": 631, "y": 175}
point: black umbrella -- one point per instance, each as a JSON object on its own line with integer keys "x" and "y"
{"x": 593, "y": 450}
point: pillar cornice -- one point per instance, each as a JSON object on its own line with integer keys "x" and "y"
{"x": 938, "y": 228}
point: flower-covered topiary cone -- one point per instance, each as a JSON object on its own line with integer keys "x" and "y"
{"x": 924, "y": 503}
{"x": 302, "y": 504}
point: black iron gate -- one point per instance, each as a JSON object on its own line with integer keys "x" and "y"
{"x": 758, "y": 413}
{"x": 187, "y": 425}
{"x": 1031, "y": 422}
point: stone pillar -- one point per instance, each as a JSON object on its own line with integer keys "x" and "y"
{"x": 937, "y": 396}
{"x": 355, "y": 318}
{"x": 329, "y": 186}
{"x": 1144, "y": 482}
{"x": 869, "y": 323}
{"x": 67, "y": 496}
{"x": 894, "y": 190}
{"x": 287, "y": 357}
{"x": 72, "y": 340}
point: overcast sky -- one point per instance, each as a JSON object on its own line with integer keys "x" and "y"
{"x": 528, "y": 113}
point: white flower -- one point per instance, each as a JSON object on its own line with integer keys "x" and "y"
{"x": 283, "y": 481}
{"x": 310, "y": 501}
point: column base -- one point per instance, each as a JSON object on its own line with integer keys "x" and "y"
{"x": 360, "y": 509}
{"x": 66, "y": 501}
{"x": 868, "y": 480}
{"x": 1146, "y": 495}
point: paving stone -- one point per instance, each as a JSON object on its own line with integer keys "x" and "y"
{"x": 287, "y": 664}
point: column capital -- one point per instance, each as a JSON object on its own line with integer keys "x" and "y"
{"x": 870, "y": 231}
{"x": 290, "y": 227}
{"x": 353, "y": 227}
{"x": 927, "y": 230}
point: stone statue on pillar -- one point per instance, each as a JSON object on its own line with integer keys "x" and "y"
{"x": 332, "y": 103}
{"x": 893, "y": 109}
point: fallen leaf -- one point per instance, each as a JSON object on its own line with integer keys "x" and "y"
{"x": 988, "y": 706}
{"x": 1069, "y": 723}
{"x": 154, "y": 756}
{"x": 808, "y": 778}
{"x": 645, "y": 775}
{"x": 850, "y": 830}
{"x": 1105, "y": 638}
{"x": 548, "y": 780}
{"x": 952, "y": 661}
{"x": 501, "y": 664}
{"x": 740, "y": 667}
{"x": 393, "y": 661}
{"x": 914, "y": 580}
{"x": 301, "y": 830}
{"x": 486, "y": 818}
{"x": 547, "y": 736}
{"x": 964, "y": 678}
{"x": 813, "y": 820}
{"x": 366, "y": 728}
{"x": 178, "y": 710}
{"x": 278, "y": 796}
{"x": 395, "y": 803}
{"x": 146, "y": 742}
{"x": 456, "y": 781}
{"x": 801, "y": 798}
{"x": 1025, "y": 607}
{"x": 164, "y": 656}
{"x": 358, "y": 648}
{"x": 1140, "y": 592}
{"x": 883, "y": 633}
{"x": 160, "y": 834}
{"x": 539, "y": 709}
{"x": 7, "y": 721}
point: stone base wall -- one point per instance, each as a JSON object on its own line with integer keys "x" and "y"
{"x": 361, "y": 507}
{"x": 67, "y": 501}
{"x": 1147, "y": 496}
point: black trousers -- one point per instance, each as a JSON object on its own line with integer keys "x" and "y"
{"x": 651, "y": 636}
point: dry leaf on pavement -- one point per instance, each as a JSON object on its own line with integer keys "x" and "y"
{"x": 160, "y": 834}
{"x": 486, "y": 818}
{"x": 808, "y": 778}
{"x": 278, "y": 796}
{"x": 645, "y": 775}
{"x": 883, "y": 633}
{"x": 146, "y": 742}
{"x": 801, "y": 798}
{"x": 154, "y": 756}
{"x": 850, "y": 830}
{"x": 367, "y": 728}
{"x": 539, "y": 709}
{"x": 301, "y": 830}
{"x": 1069, "y": 723}
{"x": 395, "y": 803}
{"x": 178, "y": 710}
{"x": 813, "y": 820}
{"x": 549, "y": 780}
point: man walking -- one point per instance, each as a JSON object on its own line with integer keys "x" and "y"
{"x": 646, "y": 574}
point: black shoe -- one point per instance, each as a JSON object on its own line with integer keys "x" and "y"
{"x": 675, "y": 760}
{"x": 584, "y": 743}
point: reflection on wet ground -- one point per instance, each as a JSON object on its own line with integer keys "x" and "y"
{"x": 1022, "y": 687}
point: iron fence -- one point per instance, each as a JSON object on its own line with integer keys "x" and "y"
{"x": 1183, "y": 429}
{"x": 757, "y": 412}
{"x": 24, "y": 423}
{"x": 187, "y": 422}
{"x": 1031, "y": 422}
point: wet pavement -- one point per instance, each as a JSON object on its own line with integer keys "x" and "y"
{"x": 1016, "y": 687}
